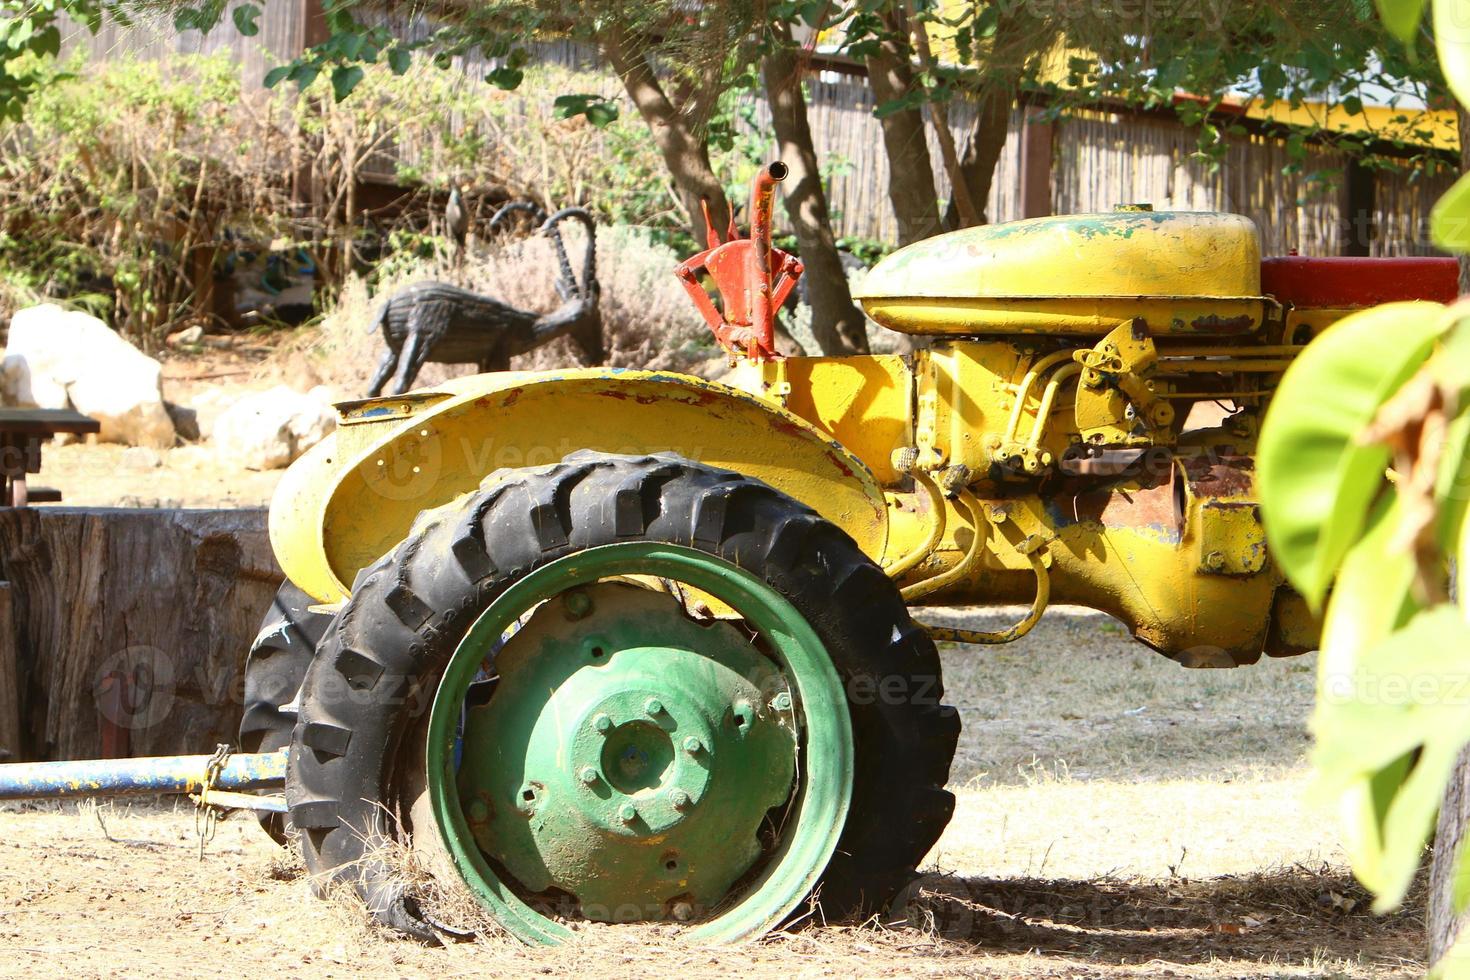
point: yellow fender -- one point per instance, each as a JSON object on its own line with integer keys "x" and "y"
{"x": 356, "y": 495}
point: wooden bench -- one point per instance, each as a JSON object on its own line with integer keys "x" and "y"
{"x": 22, "y": 432}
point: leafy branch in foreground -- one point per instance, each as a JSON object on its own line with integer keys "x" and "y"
{"x": 1365, "y": 477}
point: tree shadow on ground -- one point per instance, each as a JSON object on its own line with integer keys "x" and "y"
{"x": 1292, "y": 915}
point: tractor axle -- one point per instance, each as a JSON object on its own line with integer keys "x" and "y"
{"x": 133, "y": 777}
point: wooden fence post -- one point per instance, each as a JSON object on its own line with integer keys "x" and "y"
{"x": 1359, "y": 204}
{"x": 1037, "y": 152}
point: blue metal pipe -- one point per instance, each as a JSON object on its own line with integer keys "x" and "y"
{"x": 129, "y": 777}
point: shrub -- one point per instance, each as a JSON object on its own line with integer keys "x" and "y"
{"x": 121, "y": 182}
{"x": 128, "y": 179}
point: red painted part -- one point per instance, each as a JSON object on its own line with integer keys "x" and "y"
{"x": 1340, "y": 282}
{"x": 752, "y": 276}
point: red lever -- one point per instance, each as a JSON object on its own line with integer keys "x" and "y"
{"x": 752, "y": 276}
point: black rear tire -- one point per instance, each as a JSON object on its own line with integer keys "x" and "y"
{"x": 274, "y": 670}
{"x": 380, "y": 663}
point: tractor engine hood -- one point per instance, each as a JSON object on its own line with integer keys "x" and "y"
{"x": 1183, "y": 272}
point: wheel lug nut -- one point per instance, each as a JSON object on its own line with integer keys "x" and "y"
{"x": 682, "y": 911}
{"x": 782, "y": 702}
{"x": 602, "y": 723}
{"x": 478, "y": 811}
{"x": 588, "y": 775}
{"x": 692, "y": 745}
{"x": 627, "y": 813}
{"x": 577, "y": 604}
{"x": 653, "y": 706}
{"x": 679, "y": 798}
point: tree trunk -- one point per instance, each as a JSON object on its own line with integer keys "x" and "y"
{"x": 910, "y": 172}
{"x": 982, "y": 152}
{"x": 684, "y": 149}
{"x": 1449, "y": 835}
{"x": 960, "y": 202}
{"x": 1454, "y": 811}
{"x": 169, "y": 601}
{"x": 837, "y": 323}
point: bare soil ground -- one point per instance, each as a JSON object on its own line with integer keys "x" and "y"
{"x": 1118, "y": 817}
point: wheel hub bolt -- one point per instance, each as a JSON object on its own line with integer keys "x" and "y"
{"x": 679, "y": 798}
{"x": 602, "y": 723}
{"x": 682, "y": 911}
{"x": 654, "y": 706}
{"x": 627, "y": 813}
{"x": 478, "y": 811}
{"x": 578, "y": 604}
{"x": 588, "y": 775}
{"x": 782, "y": 702}
{"x": 692, "y": 745}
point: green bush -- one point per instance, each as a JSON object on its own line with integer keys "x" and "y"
{"x": 128, "y": 180}
{"x": 123, "y": 178}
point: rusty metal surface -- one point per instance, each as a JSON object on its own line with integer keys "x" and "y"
{"x": 753, "y": 277}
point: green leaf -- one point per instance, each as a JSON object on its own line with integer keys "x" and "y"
{"x": 1373, "y": 596}
{"x": 1316, "y": 479}
{"x": 1449, "y": 219}
{"x": 344, "y": 79}
{"x": 1388, "y": 745}
{"x": 913, "y": 99}
{"x": 1401, "y": 17}
{"x": 186, "y": 19}
{"x": 21, "y": 31}
{"x": 399, "y": 59}
{"x": 599, "y": 111}
{"x": 349, "y": 45}
{"x": 1452, "y": 486}
{"x": 602, "y": 114}
{"x": 506, "y": 77}
{"x": 1462, "y": 562}
{"x": 1272, "y": 78}
{"x": 276, "y": 76}
{"x": 245, "y": 16}
{"x": 1460, "y": 880}
{"x": 1452, "y": 41}
{"x": 47, "y": 42}
{"x": 1452, "y": 481}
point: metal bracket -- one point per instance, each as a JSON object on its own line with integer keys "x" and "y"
{"x": 1116, "y": 404}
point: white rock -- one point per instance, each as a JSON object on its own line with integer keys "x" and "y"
{"x": 60, "y": 358}
{"x": 269, "y": 429}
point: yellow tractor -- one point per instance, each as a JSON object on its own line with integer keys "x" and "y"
{"x": 622, "y": 645}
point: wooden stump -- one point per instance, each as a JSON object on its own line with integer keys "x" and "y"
{"x": 164, "y": 603}
{"x": 9, "y": 683}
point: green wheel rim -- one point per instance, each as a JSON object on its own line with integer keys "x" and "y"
{"x": 825, "y": 757}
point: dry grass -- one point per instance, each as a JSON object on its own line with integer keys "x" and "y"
{"x": 1091, "y": 839}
